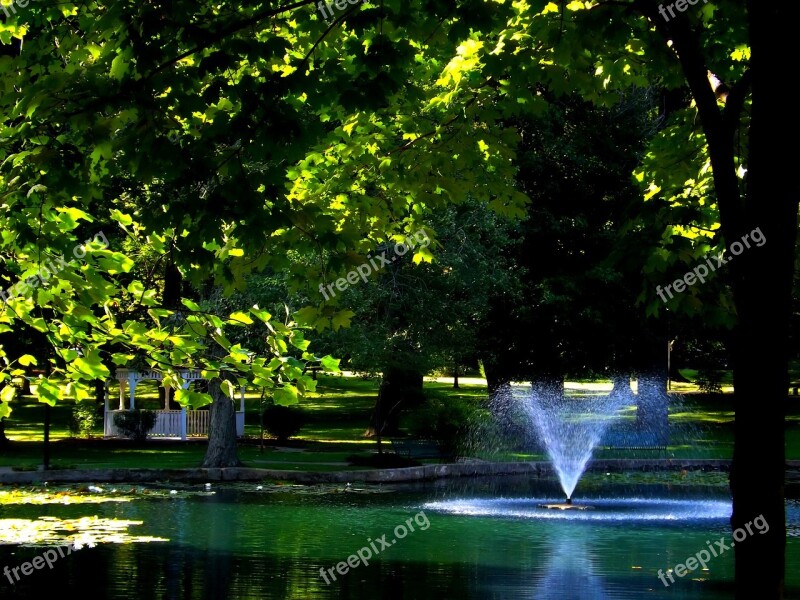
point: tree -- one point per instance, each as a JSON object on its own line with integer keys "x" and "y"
{"x": 731, "y": 61}
{"x": 575, "y": 312}
{"x": 191, "y": 134}
{"x": 235, "y": 133}
{"x": 409, "y": 319}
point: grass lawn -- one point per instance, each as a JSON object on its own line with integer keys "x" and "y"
{"x": 337, "y": 416}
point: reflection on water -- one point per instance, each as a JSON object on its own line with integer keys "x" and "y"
{"x": 569, "y": 566}
{"x": 242, "y": 543}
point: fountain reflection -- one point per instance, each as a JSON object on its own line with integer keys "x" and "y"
{"x": 569, "y": 572}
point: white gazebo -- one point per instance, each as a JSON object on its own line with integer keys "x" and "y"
{"x": 169, "y": 423}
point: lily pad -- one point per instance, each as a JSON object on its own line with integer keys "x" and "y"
{"x": 22, "y": 496}
{"x": 85, "y": 531}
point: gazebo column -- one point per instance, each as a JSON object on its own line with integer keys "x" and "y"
{"x": 132, "y": 382}
{"x": 105, "y": 409}
{"x": 122, "y": 384}
{"x": 241, "y": 401}
{"x": 183, "y": 423}
{"x": 167, "y": 390}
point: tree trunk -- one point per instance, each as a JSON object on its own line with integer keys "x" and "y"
{"x": 221, "y": 450}
{"x": 497, "y": 381}
{"x": 652, "y": 406}
{"x": 757, "y": 475}
{"x": 763, "y": 291}
{"x": 377, "y": 423}
{"x": 3, "y": 439}
{"x": 622, "y": 385}
{"x": 455, "y": 376}
{"x": 674, "y": 371}
{"x": 762, "y": 275}
{"x": 46, "y": 457}
{"x": 400, "y": 389}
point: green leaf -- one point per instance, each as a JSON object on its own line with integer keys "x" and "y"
{"x": 192, "y": 399}
{"x": 306, "y": 384}
{"x": 91, "y": 365}
{"x": 46, "y": 392}
{"x": 26, "y": 360}
{"x": 298, "y": 340}
{"x": 328, "y": 363}
{"x": 8, "y": 393}
{"x": 240, "y": 318}
{"x": 228, "y": 389}
{"x": 121, "y": 218}
{"x": 286, "y": 396}
{"x": 190, "y": 305}
{"x": 119, "y": 66}
{"x": 306, "y": 316}
{"x": 260, "y": 314}
{"x": 342, "y": 319}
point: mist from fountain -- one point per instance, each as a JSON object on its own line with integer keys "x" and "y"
{"x": 569, "y": 428}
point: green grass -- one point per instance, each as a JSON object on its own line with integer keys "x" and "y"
{"x": 337, "y": 416}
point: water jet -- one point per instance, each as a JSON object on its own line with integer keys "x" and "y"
{"x": 569, "y": 429}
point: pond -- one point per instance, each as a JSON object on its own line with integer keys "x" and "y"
{"x": 445, "y": 539}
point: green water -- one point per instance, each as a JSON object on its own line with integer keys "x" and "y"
{"x": 243, "y": 543}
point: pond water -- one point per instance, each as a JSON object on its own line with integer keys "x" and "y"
{"x": 236, "y": 541}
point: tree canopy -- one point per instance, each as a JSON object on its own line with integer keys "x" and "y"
{"x": 219, "y": 139}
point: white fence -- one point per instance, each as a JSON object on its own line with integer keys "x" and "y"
{"x": 169, "y": 423}
{"x": 173, "y": 424}
{"x": 197, "y": 422}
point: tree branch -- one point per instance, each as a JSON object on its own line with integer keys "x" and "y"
{"x": 679, "y": 34}
{"x": 735, "y": 102}
{"x": 226, "y": 31}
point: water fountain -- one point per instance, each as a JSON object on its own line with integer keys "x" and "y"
{"x": 569, "y": 429}
{"x": 576, "y": 533}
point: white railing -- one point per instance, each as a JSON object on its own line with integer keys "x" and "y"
{"x": 197, "y": 422}
{"x": 126, "y": 374}
{"x": 109, "y": 429}
{"x": 168, "y": 424}
{"x": 173, "y": 423}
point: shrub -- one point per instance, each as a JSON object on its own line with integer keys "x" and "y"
{"x": 709, "y": 380}
{"x": 283, "y": 422}
{"x": 450, "y": 422}
{"x": 135, "y": 424}
{"x": 85, "y": 415}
